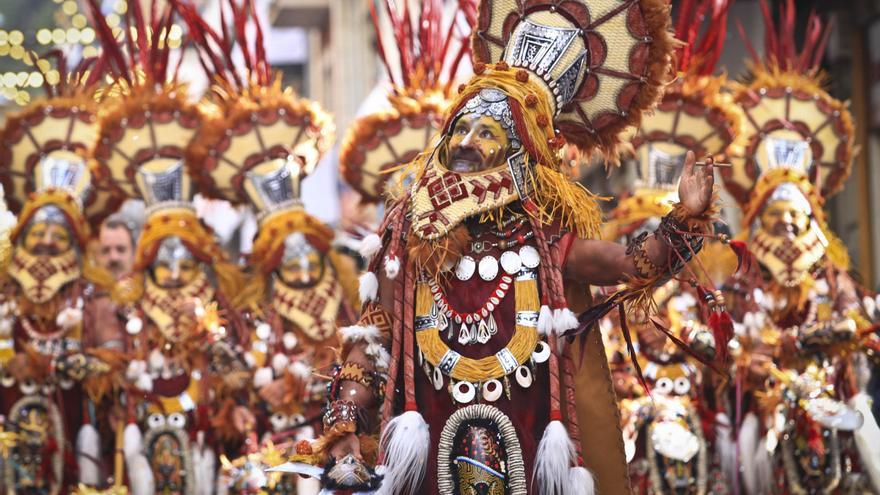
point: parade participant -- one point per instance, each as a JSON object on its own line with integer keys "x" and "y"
{"x": 421, "y": 78}
{"x": 50, "y": 381}
{"x": 693, "y": 115}
{"x": 466, "y": 296}
{"x": 262, "y": 143}
{"x": 799, "y": 308}
{"x": 184, "y": 339}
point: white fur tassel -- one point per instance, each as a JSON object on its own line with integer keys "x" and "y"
{"x": 88, "y": 455}
{"x": 749, "y": 440}
{"x": 392, "y": 267}
{"x": 368, "y": 287}
{"x": 204, "y": 463}
{"x": 132, "y": 441}
{"x": 370, "y": 245}
{"x": 868, "y": 439}
{"x": 140, "y": 476}
{"x": 553, "y": 461}
{"x": 280, "y": 362}
{"x": 545, "y": 320}
{"x": 564, "y": 319}
{"x": 581, "y": 482}
{"x": 725, "y": 446}
{"x": 263, "y": 377}
{"x": 405, "y": 441}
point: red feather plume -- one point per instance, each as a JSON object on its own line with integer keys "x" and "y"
{"x": 779, "y": 40}
{"x": 701, "y": 26}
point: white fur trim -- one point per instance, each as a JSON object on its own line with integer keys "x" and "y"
{"x": 381, "y": 358}
{"x": 279, "y": 362}
{"x": 140, "y": 476}
{"x": 405, "y": 441}
{"x": 134, "y": 325}
{"x": 370, "y": 245}
{"x": 581, "y": 482}
{"x": 263, "y": 377}
{"x": 359, "y": 333}
{"x": 750, "y": 446}
{"x": 564, "y": 319}
{"x": 69, "y": 318}
{"x": 725, "y": 446}
{"x": 249, "y": 359}
{"x": 868, "y": 439}
{"x": 88, "y": 455}
{"x": 392, "y": 267}
{"x": 135, "y": 369}
{"x": 545, "y": 320}
{"x": 553, "y": 460}
{"x": 300, "y": 370}
{"x": 368, "y": 287}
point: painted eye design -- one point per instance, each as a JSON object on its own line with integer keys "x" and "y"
{"x": 297, "y": 420}
{"x": 177, "y": 420}
{"x": 664, "y": 386}
{"x": 682, "y": 386}
{"x": 155, "y": 420}
{"x": 278, "y": 421}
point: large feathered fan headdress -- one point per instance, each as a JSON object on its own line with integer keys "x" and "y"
{"x": 421, "y": 72}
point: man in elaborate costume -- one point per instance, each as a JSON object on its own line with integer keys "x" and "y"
{"x": 664, "y": 437}
{"x": 466, "y": 299}
{"x": 185, "y": 341}
{"x": 49, "y": 379}
{"x": 261, "y": 143}
{"x": 799, "y": 309}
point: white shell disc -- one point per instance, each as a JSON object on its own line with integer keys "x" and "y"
{"x": 66, "y": 384}
{"x": 27, "y": 387}
{"x": 510, "y": 262}
{"x": 523, "y": 377}
{"x": 134, "y": 325}
{"x": 464, "y": 392}
{"x": 7, "y": 381}
{"x": 465, "y": 269}
{"x": 542, "y": 352}
{"x": 263, "y": 331}
{"x": 529, "y": 257}
{"x": 488, "y": 268}
{"x": 492, "y": 390}
{"x": 437, "y": 379}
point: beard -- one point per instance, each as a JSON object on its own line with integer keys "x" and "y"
{"x": 466, "y": 159}
{"x": 42, "y": 276}
{"x": 789, "y": 259}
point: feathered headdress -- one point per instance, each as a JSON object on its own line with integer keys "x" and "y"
{"x": 796, "y": 133}
{"x": 428, "y": 54}
{"x": 45, "y": 149}
{"x": 693, "y": 115}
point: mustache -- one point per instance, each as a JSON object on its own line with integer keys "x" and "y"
{"x": 45, "y": 249}
{"x": 466, "y": 153}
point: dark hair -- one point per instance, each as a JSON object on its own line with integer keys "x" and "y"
{"x": 118, "y": 222}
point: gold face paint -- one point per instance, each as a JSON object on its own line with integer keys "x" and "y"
{"x": 44, "y": 238}
{"x": 477, "y": 143}
{"x": 175, "y": 274}
{"x": 302, "y": 271}
{"x": 784, "y": 218}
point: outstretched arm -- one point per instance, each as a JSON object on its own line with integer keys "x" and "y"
{"x": 608, "y": 263}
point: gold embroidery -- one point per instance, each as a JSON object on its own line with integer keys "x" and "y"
{"x": 314, "y": 309}
{"x": 40, "y": 276}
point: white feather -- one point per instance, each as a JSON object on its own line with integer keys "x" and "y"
{"x": 868, "y": 439}
{"x": 88, "y": 455}
{"x": 203, "y": 464}
{"x": 381, "y": 358}
{"x": 763, "y": 468}
{"x": 263, "y": 377}
{"x": 157, "y": 360}
{"x": 368, "y": 287}
{"x": 405, "y": 441}
{"x": 307, "y": 486}
{"x": 581, "y": 482}
{"x": 564, "y": 319}
{"x": 392, "y": 267}
{"x": 748, "y": 444}
{"x": 279, "y": 362}
{"x": 359, "y": 333}
{"x": 545, "y": 320}
{"x": 553, "y": 461}
{"x": 132, "y": 440}
{"x": 370, "y": 245}
{"x": 140, "y": 476}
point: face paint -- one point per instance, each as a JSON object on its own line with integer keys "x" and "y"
{"x": 785, "y": 218}
{"x": 47, "y": 238}
{"x": 302, "y": 265}
{"x": 174, "y": 266}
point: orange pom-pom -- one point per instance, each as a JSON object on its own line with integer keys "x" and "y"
{"x": 502, "y": 65}
{"x": 461, "y": 88}
{"x": 522, "y": 76}
{"x": 542, "y": 120}
{"x": 531, "y": 101}
{"x": 303, "y": 447}
{"x": 479, "y": 68}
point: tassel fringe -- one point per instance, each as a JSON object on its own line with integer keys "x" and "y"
{"x": 554, "y": 460}
{"x": 405, "y": 442}
{"x": 581, "y": 482}
{"x": 368, "y": 287}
